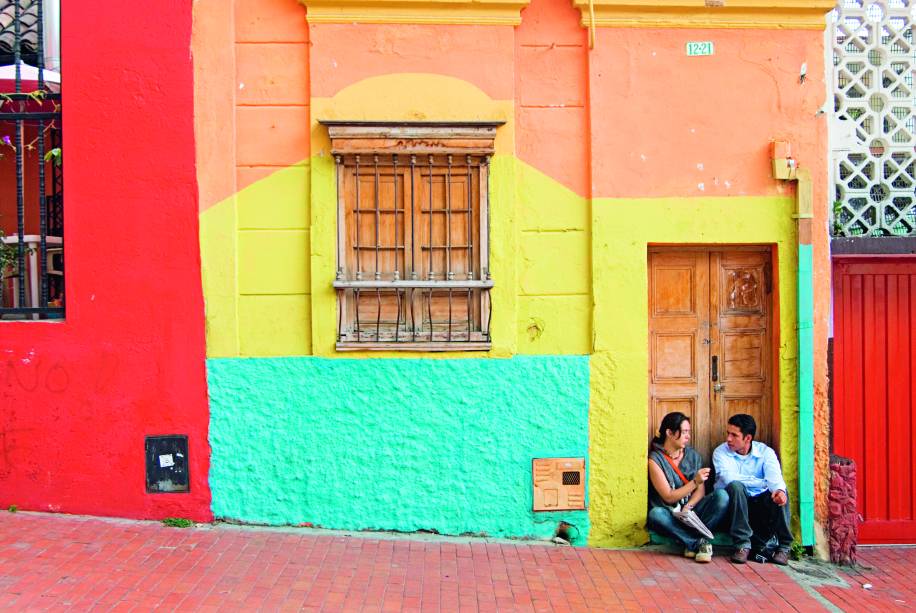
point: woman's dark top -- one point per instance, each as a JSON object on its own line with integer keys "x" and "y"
{"x": 690, "y": 464}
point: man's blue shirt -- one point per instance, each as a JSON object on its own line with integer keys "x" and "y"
{"x": 759, "y": 470}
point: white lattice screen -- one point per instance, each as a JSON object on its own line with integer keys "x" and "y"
{"x": 872, "y": 131}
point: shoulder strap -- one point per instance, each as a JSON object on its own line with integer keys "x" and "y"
{"x": 676, "y": 469}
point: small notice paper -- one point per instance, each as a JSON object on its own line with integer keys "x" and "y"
{"x": 166, "y": 460}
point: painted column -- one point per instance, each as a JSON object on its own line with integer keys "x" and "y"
{"x": 805, "y": 359}
{"x": 785, "y": 168}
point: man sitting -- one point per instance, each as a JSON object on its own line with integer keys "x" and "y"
{"x": 758, "y": 503}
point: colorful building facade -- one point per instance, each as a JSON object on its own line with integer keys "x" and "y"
{"x": 613, "y": 141}
{"x": 644, "y": 210}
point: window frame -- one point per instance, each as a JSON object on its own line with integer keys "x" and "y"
{"x": 418, "y": 140}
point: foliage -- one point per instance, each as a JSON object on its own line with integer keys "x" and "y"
{"x": 798, "y": 551}
{"x": 177, "y": 522}
{"x": 8, "y": 255}
{"x": 837, "y": 210}
{"x": 54, "y": 154}
{"x": 13, "y": 508}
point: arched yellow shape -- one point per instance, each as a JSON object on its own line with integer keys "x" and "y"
{"x": 413, "y": 97}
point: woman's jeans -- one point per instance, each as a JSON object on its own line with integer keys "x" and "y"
{"x": 711, "y": 509}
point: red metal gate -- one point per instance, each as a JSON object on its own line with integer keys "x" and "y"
{"x": 874, "y": 415}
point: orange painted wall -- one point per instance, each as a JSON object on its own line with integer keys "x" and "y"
{"x": 551, "y": 78}
{"x": 343, "y": 54}
{"x": 252, "y": 92}
{"x": 665, "y": 124}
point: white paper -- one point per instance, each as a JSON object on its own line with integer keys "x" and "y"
{"x": 166, "y": 460}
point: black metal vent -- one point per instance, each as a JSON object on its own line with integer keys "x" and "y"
{"x": 571, "y": 477}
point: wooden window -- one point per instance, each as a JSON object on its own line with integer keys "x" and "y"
{"x": 412, "y": 251}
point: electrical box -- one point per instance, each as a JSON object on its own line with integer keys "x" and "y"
{"x": 559, "y": 483}
{"x": 167, "y": 464}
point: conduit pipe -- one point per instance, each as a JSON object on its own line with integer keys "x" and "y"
{"x": 785, "y": 168}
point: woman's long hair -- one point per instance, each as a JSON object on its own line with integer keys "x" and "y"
{"x": 671, "y": 421}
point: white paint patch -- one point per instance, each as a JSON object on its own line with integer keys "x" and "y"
{"x": 693, "y": 130}
{"x": 643, "y": 157}
{"x": 166, "y": 460}
{"x": 728, "y": 184}
{"x": 241, "y": 86}
{"x": 701, "y": 186}
{"x": 700, "y": 166}
{"x": 92, "y": 298}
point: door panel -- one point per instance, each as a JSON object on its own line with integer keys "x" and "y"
{"x": 709, "y": 317}
{"x": 678, "y": 314}
{"x": 874, "y": 402}
{"x": 740, "y": 338}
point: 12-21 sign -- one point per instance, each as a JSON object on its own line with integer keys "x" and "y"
{"x": 700, "y": 48}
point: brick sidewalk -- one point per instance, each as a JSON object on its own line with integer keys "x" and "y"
{"x": 891, "y": 572}
{"x": 58, "y": 561}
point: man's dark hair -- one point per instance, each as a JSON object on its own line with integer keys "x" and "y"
{"x": 745, "y": 423}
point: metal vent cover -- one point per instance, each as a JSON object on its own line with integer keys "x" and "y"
{"x": 167, "y": 464}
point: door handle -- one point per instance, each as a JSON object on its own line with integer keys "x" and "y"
{"x": 714, "y": 371}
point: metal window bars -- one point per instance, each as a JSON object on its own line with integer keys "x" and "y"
{"x": 31, "y": 250}
{"x": 410, "y": 224}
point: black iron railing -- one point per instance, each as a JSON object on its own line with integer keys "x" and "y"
{"x": 31, "y": 169}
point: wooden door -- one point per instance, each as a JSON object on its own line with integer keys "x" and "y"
{"x": 874, "y": 390}
{"x": 710, "y": 340}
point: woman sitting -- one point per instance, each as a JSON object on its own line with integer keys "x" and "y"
{"x": 677, "y": 481}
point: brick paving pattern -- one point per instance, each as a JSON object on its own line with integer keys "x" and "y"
{"x": 56, "y": 562}
{"x": 891, "y": 572}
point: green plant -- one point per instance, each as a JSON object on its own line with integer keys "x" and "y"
{"x": 13, "y": 508}
{"x": 837, "y": 210}
{"x": 54, "y": 154}
{"x": 7, "y": 254}
{"x": 177, "y": 522}
{"x": 798, "y": 551}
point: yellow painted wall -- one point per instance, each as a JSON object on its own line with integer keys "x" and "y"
{"x": 622, "y": 230}
{"x": 269, "y": 250}
{"x": 256, "y": 273}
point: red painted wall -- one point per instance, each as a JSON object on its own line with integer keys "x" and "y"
{"x": 79, "y": 397}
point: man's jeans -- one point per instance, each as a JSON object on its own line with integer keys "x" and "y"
{"x": 711, "y": 509}
{"x": 756, "y": 519}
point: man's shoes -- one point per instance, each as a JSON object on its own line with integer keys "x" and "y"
{"x": 740, "y": 555}
{"x": 704, "y": 553}
{"x": 781, "y": 557}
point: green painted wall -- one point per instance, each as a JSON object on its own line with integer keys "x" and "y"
{"x": 394, "y": 444}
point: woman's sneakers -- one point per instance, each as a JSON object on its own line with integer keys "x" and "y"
{"x": 702, "y": 554}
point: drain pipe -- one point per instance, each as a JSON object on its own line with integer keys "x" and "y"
{"x": 785, "y": 168}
